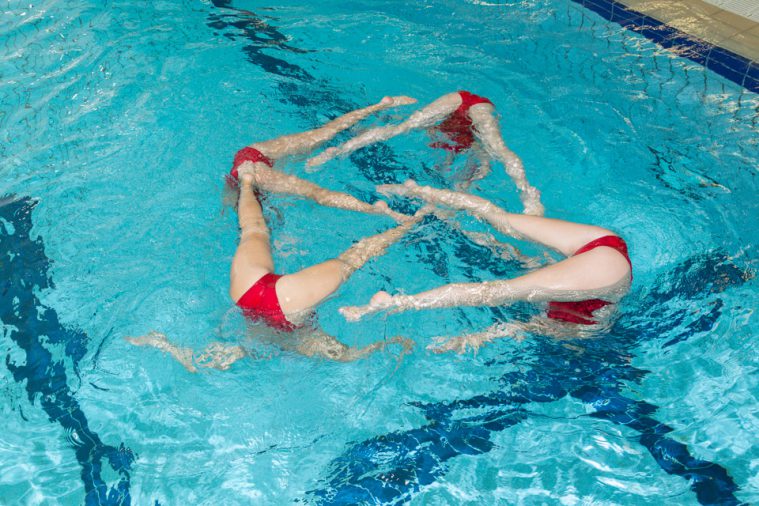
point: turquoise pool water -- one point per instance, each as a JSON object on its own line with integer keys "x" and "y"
{"x": 119, "y": 120}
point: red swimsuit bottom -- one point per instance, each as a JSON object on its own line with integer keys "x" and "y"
{"x": 458, "y": 126}
{"x": 582, "y": 311}
{"x": 260, "y": 302}
{"x": 246, "y": 154}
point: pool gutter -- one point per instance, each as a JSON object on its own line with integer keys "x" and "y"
{"x": 706, "y": 40}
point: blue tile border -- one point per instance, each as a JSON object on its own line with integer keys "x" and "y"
{"x": 724, "y": 62}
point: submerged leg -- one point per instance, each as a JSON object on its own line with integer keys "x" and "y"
{"x": 423, "y": 118}
{"x": 323, "y": 345}
{"x": 489, "y": 133}
{"x": 563, "y": 236}
{"x": 253, "y": 255}
{"x": 308, "y": 141}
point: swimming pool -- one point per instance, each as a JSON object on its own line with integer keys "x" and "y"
{"x": 119, "y": 121}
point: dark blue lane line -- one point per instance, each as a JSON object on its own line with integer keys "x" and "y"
{"x": 24, "y": 270}
{"x": 391, "y": 468}
{"x": 724, "y": 62}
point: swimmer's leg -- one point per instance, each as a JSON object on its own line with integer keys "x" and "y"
{"x": 426, "y": 117}
{"x": 474, "y": 341}
{"x": 599, "y": 273}
{"x": 563, "y": 236}
{"x": 481, "y": 171}
{"x": 325, "y": 346}
{"x": 310, "y": 286}
{"x": 307, "y": 141}
{"x": 278, "y": 182}
{"x": 253, "y": 256}
{"x": 487, "y": 130}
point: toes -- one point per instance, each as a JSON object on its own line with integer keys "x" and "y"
{"x": 351, "y": 314}
{"x": 403, "y": 100}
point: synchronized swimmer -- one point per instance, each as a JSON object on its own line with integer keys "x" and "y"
{"x": 579, "y": 290}
{"x": 465, "y": 121}
{"x": 285, "y": 302}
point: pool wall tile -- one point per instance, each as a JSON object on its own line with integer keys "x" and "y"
{"x": 724, "y": 62}
{"x": 751, "y": 81}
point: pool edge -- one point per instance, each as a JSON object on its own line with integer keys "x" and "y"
{"x": 730, "y": 65}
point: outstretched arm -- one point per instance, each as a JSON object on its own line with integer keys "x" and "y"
{"x": 423, "y": 118}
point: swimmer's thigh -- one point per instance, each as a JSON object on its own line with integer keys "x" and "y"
{"x": 251, "y": 261}
{"x": 309, "y": 287}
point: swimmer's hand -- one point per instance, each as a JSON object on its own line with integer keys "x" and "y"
{"x": 381, "y": 300}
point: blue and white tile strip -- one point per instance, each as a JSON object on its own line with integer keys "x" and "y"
{"x": 733, "y": 66}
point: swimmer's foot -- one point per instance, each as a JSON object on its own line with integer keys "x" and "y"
{"x": 323, "y": 157}
{"x": 381, "y": 300}
{"x": 396, "y": 101}
{"x": 408, "y": 189}
{"x": 246, "y": 172}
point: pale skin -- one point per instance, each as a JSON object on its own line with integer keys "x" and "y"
{"x": 600, "y": 273}
{"x": 486, "y": 130}
{"x": 301, "y": 291}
